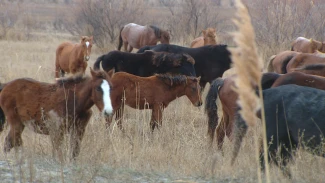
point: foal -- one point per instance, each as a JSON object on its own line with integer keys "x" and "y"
{"x": 72, "y": 58}
{"x": 154, "y": 93}
{"x": 60, "y": 107}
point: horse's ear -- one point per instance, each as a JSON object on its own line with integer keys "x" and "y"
{"x": 204, "y": 32}
{"x": 110, "y": 73}
{"x": 91, "y": 38}
{"x": 198, "y": 78}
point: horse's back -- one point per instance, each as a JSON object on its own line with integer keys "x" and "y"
{"x": 197, "y": 42}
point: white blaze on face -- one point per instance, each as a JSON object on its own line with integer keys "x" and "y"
{"x": 108, "y": 109}
{"x": 87, "y": 44}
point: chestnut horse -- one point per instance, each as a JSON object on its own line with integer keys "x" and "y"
{"x": 304, "y": 45}
{"x": 208, "y": 38}
{"x": 278, "y": 63}
{"x": 303, "y": 59}
{"x": 301, "y": 79}
{"x": 154, "y": 92}
{"x": 223, "y": 88}
{"x": 314, "y": 69}
{"x": 147, "y": 63}
{"x": 72, "y": 58}
{"x": 136, "y": 36}
{"x": 60, "y": 107}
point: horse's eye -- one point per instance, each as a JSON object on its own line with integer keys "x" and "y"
{"x": 98, "y": 88}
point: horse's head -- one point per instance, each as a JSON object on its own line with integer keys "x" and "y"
{"x": 193, "y": 90}
{"x": 164, "y": 39}
{"x": 209, "y": 36}
{"x": 101, "y": 87}
{"x": 86, "y": 43}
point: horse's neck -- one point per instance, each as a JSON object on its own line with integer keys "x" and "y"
{"x": 78, "y": 51}
{"x": 83, "y": 96}
{"x": 174, "y": 91}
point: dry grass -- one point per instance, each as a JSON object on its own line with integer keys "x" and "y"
{"x": 178, "y": 152}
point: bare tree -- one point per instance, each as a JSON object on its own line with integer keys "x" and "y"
{"x": 9, "y": 14}
{"x": 103, "y": 19}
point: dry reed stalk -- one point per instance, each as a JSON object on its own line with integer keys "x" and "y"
{"x": 248, "y": 66}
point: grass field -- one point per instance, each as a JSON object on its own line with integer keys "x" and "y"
{"x": 178, "y": 152}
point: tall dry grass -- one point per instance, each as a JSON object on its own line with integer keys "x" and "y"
{"x": 178, "y": 152}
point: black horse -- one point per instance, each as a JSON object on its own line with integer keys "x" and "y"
{"x": 147, "y": 63}
{"x": 210, "y": 61}
{"x": 294, "y": 117}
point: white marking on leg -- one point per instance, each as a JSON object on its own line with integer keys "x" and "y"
{"x": 108, "y": 109}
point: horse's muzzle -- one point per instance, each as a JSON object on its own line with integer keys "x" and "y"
{"x": 87, "y": 58}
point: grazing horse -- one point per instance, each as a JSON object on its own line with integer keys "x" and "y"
{"x": 314, "y": 69}
{"x": 210, "y": 61}
{"x": 303, "y": 59}
{"x": 304, "y": 45}
{"x": 60, "y": 107}
{"x": 223, "y": 88}
{"x": 154, "y": 92}
{"x": 72, "y": 58}
{"x": 208, "y": 38}
{"x": 136, "y": 36}
{"x": 278, "y": 63}
{"x": 147, "y": 63}
{"x": 301, "y": 79}
{"x": 294, "y": 117}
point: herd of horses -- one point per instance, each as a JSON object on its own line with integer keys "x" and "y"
{"x": 158, "y": 74}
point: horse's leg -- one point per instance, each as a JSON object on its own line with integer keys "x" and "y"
{"x": 13, "y": 138}
{"x": 57, "y": 69}
{"x": 130, "y": 48}
{"x": 62, "y": 72}
{"x": 77, "y": 133}
{"x": 57, "y": 140}
{"x": 125, "y": 45}
{"x": 221, "y": 130}
{"x": 156, "y": 117}
{"x": 119, "y": 116}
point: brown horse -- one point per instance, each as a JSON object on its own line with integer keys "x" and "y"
{"x": 154, "y": 92}
{"x": 208, "y": 38}
{"x": 304, "y": 59}
{"x": 72, "y": 58}
{"x": 304, "y": 45}
{"x": 314, "y": 69}
{"x": 224, "y": 89}
{"x": 278, "y": 63}
{"x": 136, "y": 36}
{"x": 60, "y": 107}
{"x": 301, "y": 79}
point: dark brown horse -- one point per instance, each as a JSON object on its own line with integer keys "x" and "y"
{"x": 223, "y": 88}
{"x": 147, "y": 63}
{"x": 60, "y": 107}
{"x": 278, "y": 63}
{"x": 208, "y": 38}
{"x": 136, "y": 36}
{"x": 72, "y": 58}
{"x": 314, "y": 69}
{"x": 304, "y": 45}
{"x": 154, "y": 92}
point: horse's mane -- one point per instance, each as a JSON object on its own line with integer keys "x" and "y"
{"x": 171, "y": 59}
{"x": 173, "y": 79}
{"x": 156, "y": 30}
{"x": 312, "y": 67}
{"x": 78, "y": 78}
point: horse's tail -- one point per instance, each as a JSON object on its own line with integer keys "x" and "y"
{"x": 239, "y": 131}
{"x": 270, "y": 67}
{"x": 97, "y": 62}
{"x": 2, "y": 115}
{"x": 120, "y": 41}
{"x": 211, "y": 107}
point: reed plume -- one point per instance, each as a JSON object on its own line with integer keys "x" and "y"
{"x": 248, "y": 66}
